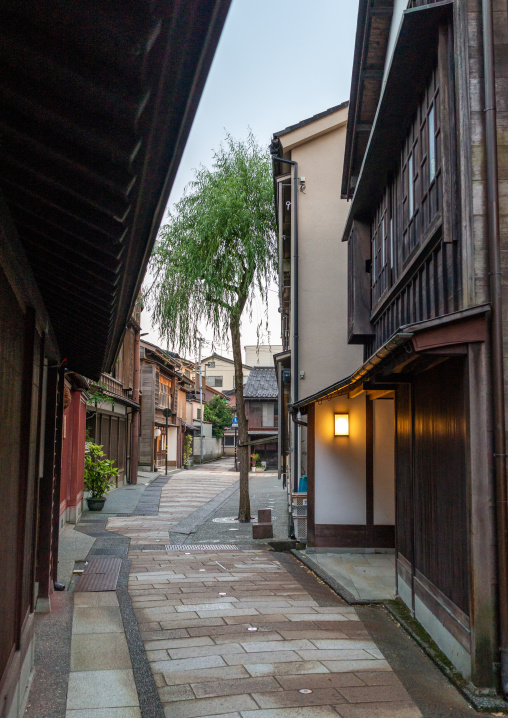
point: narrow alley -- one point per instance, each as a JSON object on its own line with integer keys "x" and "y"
{"x": 205, "y": 621}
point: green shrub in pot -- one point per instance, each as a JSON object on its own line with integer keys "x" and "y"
{"x": 99, "y": 474}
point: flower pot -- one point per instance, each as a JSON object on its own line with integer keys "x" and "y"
{"x": 96, "y": 504}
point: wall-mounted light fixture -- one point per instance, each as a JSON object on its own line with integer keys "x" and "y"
{"x": 341, "y": 424}
{"x": 157, "y": 432}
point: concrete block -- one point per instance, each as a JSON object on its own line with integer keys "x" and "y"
{"x": 264, "y": 516}
{"x": 262, "y": 531}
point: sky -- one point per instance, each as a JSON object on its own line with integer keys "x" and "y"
{"x": 278, "y": 62}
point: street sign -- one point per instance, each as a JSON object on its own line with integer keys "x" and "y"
{"x": 234, "y": 421}
{"x": 167, "y": 413}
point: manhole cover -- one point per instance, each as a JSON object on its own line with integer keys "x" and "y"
{"x": 199, "y": 547}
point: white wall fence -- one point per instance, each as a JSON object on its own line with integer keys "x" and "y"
{"x": 212, "y": 448}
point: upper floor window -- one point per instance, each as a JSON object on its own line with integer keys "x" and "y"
{"x": 163, "y": 394}
{"x": 214, "y": 381}
{"x": 412, "y": 197}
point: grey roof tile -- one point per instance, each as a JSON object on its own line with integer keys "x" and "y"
{"x": 261, "y": 384}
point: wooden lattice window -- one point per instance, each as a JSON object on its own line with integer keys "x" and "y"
{"x": 421, "y": 169}
{"x": 412, "y": 197}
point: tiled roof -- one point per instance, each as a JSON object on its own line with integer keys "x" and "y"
{"x": 261, "y": 384}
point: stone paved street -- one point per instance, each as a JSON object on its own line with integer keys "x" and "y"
{"x": 208, "y": 622}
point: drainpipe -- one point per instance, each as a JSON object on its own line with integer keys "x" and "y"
{"x": 496, "y": 335}
{"x": 135, "y": 414}
{"x": 294, "y": 280}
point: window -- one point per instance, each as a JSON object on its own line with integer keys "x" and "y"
{"x": 229, "y": 440}
{"x": 411, "y": 187}
{"x": 268, "y": 414}
{"x": 432, "y": 145}
{"x": 163, "y": 393}
{"x": 198, "y": 414}
{"x": 214, "y": 381}
{"x": 412, "y": 197}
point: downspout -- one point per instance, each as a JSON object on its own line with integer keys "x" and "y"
{"x": 135, "y": 415}
{"x": 496, "y": 334}
{"x": 294, "y": 279}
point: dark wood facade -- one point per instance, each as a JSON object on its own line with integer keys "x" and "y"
{"x": 419, "y": 303}
{"x": 97, "y": 105}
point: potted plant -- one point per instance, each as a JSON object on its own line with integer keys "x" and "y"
{"x": 99, "y": 474}
{"x": 187, "y": 451}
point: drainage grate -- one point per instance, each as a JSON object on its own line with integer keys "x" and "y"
{"x": 201, "y": 547}
{"x": 101, "y": 574}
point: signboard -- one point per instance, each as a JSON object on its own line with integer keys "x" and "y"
{"x": 234, "y": 422}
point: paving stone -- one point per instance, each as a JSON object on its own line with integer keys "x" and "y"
{"x": 105, "y": 713}
{"x": 355, "y": 666}
{"x": 232, "y": 687}
{"x": 205, "y": 675}
{"x": 304, "y": 712}
{"x": 348, "y": 654}
{"x": 295, "y": 699}
{"x": 101, "y": 689}
{"x": 319, "y": 680}
{"x": 285, "y": 669}
{"x": 100, "y": 619}
{"x": 380, "y": 678}
{"x": 176, "y": 693}
{"x": 214, "y": 650}
{"x": 164, "y": 644}
{"x": 259, "y": 646}
{"x": 337, "y": 644}
{"x": 205, "y": 707}
{"x": 388, "y": 710}
{"x": 279, "y": 656}
{"x": 95, "y": 651}
{"x": 374, "y": 694}
{"x": 187, "y": 664}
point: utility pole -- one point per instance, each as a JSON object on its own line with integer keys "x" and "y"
{"x": 200, "y": 340}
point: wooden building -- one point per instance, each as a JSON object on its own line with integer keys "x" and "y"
{"x": 261, "y": 409}
{"x": 113, "y": 422}
{"x": 97, "y": 104}
{"x": 164, "y": 386}
{"x": 425, "y": 173}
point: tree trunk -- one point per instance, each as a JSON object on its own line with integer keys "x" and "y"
{"x": 243, "y": 451}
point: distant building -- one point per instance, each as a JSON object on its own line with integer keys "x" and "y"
{"x": 261, "y": 408}
{"x": 219, "y": 372}
{"x": 261, "y": 354}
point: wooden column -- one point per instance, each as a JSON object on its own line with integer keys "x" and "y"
{"x": 311, "y": 475}
{"x": 47, "y": 488}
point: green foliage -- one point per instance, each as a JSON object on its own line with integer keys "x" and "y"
{"x": 218, "y": 247}
{"x": 99, "y": 472}
{"x": 187, "y": 448}
{"x": 96, "y": 395}
{"x": 218, "y": 412}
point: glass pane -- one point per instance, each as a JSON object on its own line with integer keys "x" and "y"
{"x": 432, "y": 145}
{"x": 410, "y": 188}
{"x": 268, "y": 414}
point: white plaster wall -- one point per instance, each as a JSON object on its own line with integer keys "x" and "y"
{"x": 384, "y": 462}
{"x": 172, "y": 442}
{"x": 261, "y": 355}
{"x": 224, "y": 369}
{"x": 340, "y": 463}
{"x": 324, "y": 354}
{"x": 398, "y": 9}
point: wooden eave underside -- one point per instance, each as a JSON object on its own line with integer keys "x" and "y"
{"x": 373, "y": 29}
{"x": 408, "y": 73}
{"x": 97, "y": 103}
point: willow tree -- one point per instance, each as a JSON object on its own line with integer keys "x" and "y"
{"x": 214, "y": 255}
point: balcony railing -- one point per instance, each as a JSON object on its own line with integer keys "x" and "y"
{"x": 113, "y": 385}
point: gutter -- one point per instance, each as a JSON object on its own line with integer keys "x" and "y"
{"x": 495, "y": 274}
{"x": 345, "y": 385}
{"x": 294, "y": 280}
